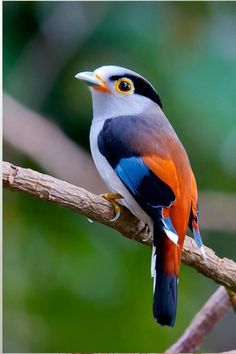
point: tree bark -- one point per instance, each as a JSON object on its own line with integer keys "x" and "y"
{"x": 221, "y": 270}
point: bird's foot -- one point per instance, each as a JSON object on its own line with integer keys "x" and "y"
{"x": 146, "y": 229}
{"x": 111, "y": 197}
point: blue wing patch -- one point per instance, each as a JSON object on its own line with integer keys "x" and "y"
{"x": 148, "y": 190}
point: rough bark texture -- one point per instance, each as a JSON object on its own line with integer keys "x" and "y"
{"x": 221, "y": 270}
{"x": 202, "y": 323}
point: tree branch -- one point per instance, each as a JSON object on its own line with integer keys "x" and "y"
{"x": 204, "y": 321}
{"x": 42, "y": 186}
{"x": 25, "y": 130}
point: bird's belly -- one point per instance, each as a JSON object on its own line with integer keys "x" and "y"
{"x": 112, "y": 180}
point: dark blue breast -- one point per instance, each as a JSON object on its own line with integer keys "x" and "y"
{"x": 115, "y": 139}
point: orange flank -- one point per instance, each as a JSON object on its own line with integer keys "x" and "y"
{"x": 172, "y": 254}
{"x": 166, "y": 212}
{"x": 171, "y": 251}
{"x": 165, "y": 170}
{"x": 179, "y": 210}
{"x": 194, "y": 195}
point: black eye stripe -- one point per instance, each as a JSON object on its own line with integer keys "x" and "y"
{"x": 141, "y": 87}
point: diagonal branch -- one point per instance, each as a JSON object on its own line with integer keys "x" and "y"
{"x": 221, "y": 270}
{"x": 204, "y": 321}
{"x": 24, "y": 130}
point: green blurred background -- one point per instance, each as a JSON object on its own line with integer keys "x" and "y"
{"x": 72, "y": 286}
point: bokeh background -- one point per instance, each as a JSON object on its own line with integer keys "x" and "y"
{"x": 72, "y": 286}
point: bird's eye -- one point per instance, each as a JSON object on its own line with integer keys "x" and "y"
{"x": 124, "y": 86}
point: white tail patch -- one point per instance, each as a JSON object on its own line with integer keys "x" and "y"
{"x": 153, "y": 262}
{"x": 153, "y": 266}
{"x": 172, "y": 236}
{"x": 170, "y": 230}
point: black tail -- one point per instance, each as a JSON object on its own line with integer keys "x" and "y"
{"x": 165, "y": 283}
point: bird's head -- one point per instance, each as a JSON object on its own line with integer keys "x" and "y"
{"x": 117, "y": 91}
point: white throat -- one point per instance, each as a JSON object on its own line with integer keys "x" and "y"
{"x": 107, "y": 105}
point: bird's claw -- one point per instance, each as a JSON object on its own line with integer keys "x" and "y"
{"x": 117, "y": 212}
{"x": 111, "y": 197}
{"x": 146, "y": 229}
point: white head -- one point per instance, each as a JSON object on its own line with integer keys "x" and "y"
{"x": 117, "y": 91}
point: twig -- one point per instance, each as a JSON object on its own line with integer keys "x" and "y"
{"x": 42, "y": 186}
{"x": 215, "y": 308}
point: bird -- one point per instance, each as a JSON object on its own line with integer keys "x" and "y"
{"x": 145, "y": 166}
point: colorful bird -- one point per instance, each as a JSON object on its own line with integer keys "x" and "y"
{"x": 144, "y": 164}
